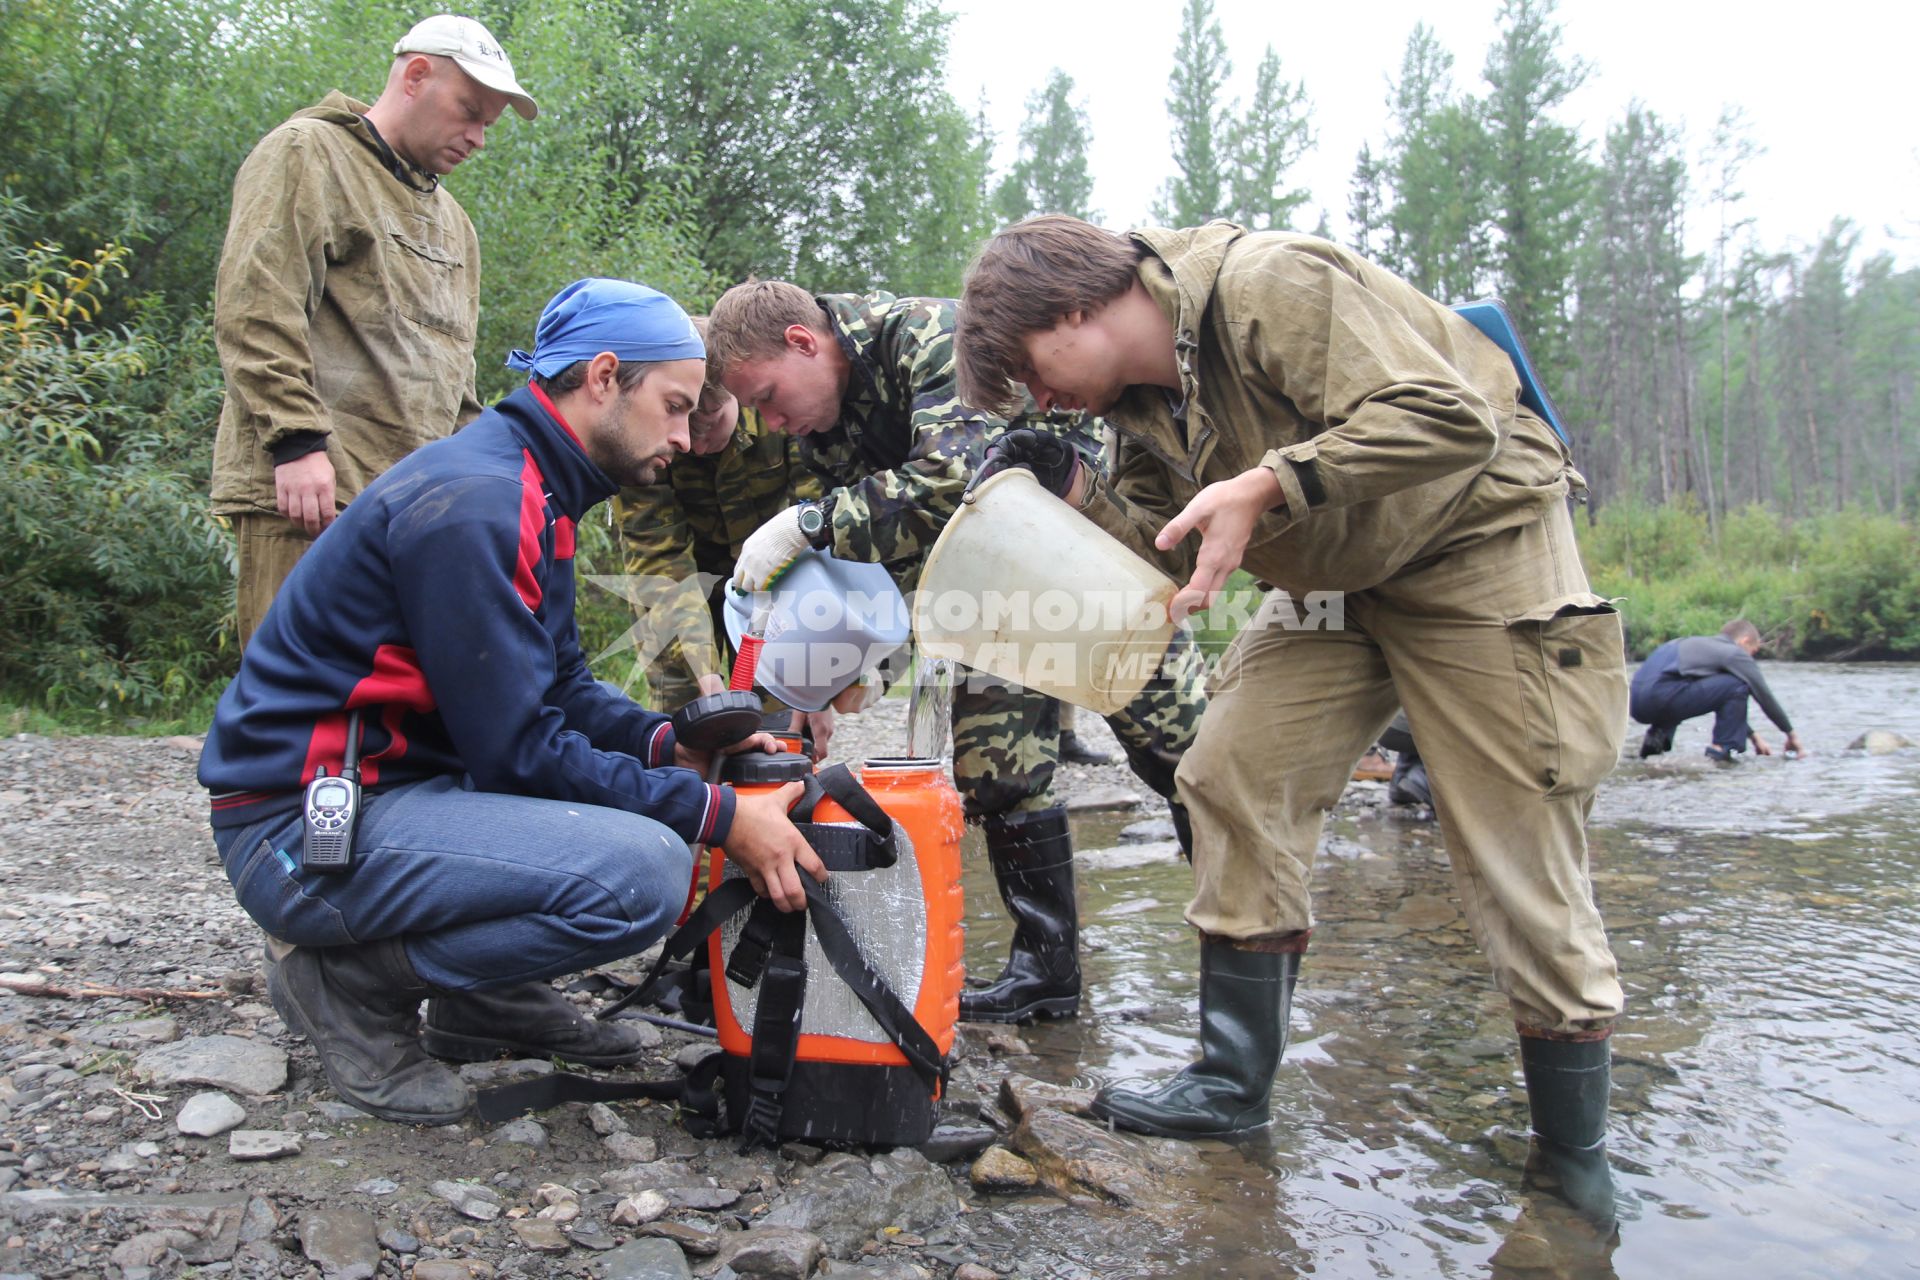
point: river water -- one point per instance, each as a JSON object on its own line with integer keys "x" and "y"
{"x": 1766, "y": 1074}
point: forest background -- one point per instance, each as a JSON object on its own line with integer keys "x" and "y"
{"x": 1745, "y": 416}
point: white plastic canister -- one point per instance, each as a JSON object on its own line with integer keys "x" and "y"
{"x": 830, "y": 621}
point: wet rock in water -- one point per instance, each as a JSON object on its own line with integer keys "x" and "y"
{"x": 262, "y": 1144}
{"x": 452, "y": 1269}
{"x": 957, "y": 1142}
{"x": 1019, "y": 1095}
{"x": 1096, "y": 799}
{"x": 341, "y": 1242}
{"x": 648, "y": 1259}
{"x": 1076, "y": 1158}
{"x": 1148, "y": 829}
{"x": 470, "y": 1199}
{"x": 638, "y": 1210}
{"x": 632, "y": 1148}
{"x": 208, "y": 1115}
{"x": 527, "y": 1133}
{"x": 541, "y": 1235}
{"x": 846, "y": 1200}
{"x": 778, "y": 1253}
{"x": 1879, "y": 742}
{"x": 1006, "y": 1044}
{"x": 887, "y": 1269}
{"x": 999, "y": 1169}
{"x": 1425, "y": 911}
{"x": 220, "y": 1062}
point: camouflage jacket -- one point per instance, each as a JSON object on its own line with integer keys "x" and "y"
{"x": 901, "y": 454}
{"x": 681, "y": 534}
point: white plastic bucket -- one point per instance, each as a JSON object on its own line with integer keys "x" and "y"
{"x": 1022, "y": 586}
{"x": 830, "y": 621}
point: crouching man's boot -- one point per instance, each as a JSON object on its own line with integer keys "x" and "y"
{"x": 1245, "y": 997}
{"x": 526, "y": 1020}
{"x": 1032, "y": 859}
{"x": 1567, "y": 1087}
{"x": 359, "y": 1007}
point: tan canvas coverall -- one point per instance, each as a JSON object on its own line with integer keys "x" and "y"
{"x": 1415, "y": 486}
{"x": 346, "y": 305}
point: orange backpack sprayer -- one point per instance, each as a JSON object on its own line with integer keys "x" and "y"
{"x": 835, "y": 1023}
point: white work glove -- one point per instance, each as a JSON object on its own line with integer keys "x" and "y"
{"x": 769, "y": 550}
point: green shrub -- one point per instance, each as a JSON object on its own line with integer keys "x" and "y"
{"x": 1865, "y": 592}
{"x": 115, "y": 582}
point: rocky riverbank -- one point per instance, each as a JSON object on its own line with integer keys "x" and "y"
{"x": 157, "y": 1118}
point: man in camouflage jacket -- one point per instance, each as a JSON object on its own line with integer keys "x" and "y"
{"x": 682, "y": 536}
{"x": 867, "y": 386}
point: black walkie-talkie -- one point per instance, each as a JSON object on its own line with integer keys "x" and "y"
{"x": 333, "y": 810}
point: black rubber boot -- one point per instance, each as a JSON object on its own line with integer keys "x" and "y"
{"x": 1245, "y": 997}
{"x": 1182, "y": 828}
{"x": 1409, "y": 784}
{"x": 1075, "y": 750}
{"x": 527, "y": 1020}
{"x": 360, "y": 1009}
{"x": 1032, "y": 858}
{"x": 1567, "y": 1087}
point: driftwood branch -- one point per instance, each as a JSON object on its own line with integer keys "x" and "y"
{"x": 32, "y": 987}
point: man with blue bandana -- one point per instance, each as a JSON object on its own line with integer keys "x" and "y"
{"x": 518, "y": 820}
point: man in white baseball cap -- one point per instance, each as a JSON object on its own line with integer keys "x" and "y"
{"x": 474, "y": 50}
{"x": 349, "y": 295}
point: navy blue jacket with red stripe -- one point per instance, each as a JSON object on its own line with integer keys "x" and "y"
{"x": 441, "y": 602}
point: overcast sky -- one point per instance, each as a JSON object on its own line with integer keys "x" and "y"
{"x": 1828, "y": 88}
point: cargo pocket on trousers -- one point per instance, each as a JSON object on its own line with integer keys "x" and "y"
{"x": 268, "y": 889}
{"x": 1570, "y": 657}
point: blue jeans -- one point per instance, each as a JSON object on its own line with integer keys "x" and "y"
{"x": 486, "y": 890}
{"x": 1663, "y": 697}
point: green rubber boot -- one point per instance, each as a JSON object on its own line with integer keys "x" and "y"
{"x": 1567, "y": 1087}
{"x": 1245, "y": 998}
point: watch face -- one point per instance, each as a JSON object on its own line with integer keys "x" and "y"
{"x": 811, "y": 520}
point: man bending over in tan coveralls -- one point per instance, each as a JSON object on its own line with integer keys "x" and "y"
{"x": 1321, "y": 422}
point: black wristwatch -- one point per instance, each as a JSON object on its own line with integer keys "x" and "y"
{"x": 814, "y": 527}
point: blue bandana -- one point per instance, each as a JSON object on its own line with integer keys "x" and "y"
{"x": 590, "y": 316}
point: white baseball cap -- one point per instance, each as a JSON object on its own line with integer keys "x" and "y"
{"x": 476, "y": 52}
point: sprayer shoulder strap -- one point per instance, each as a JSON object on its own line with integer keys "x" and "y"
{"x": 875, "y": 993}
{"x": 868, "y": 847}
{"x": 693, "y": 1091}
